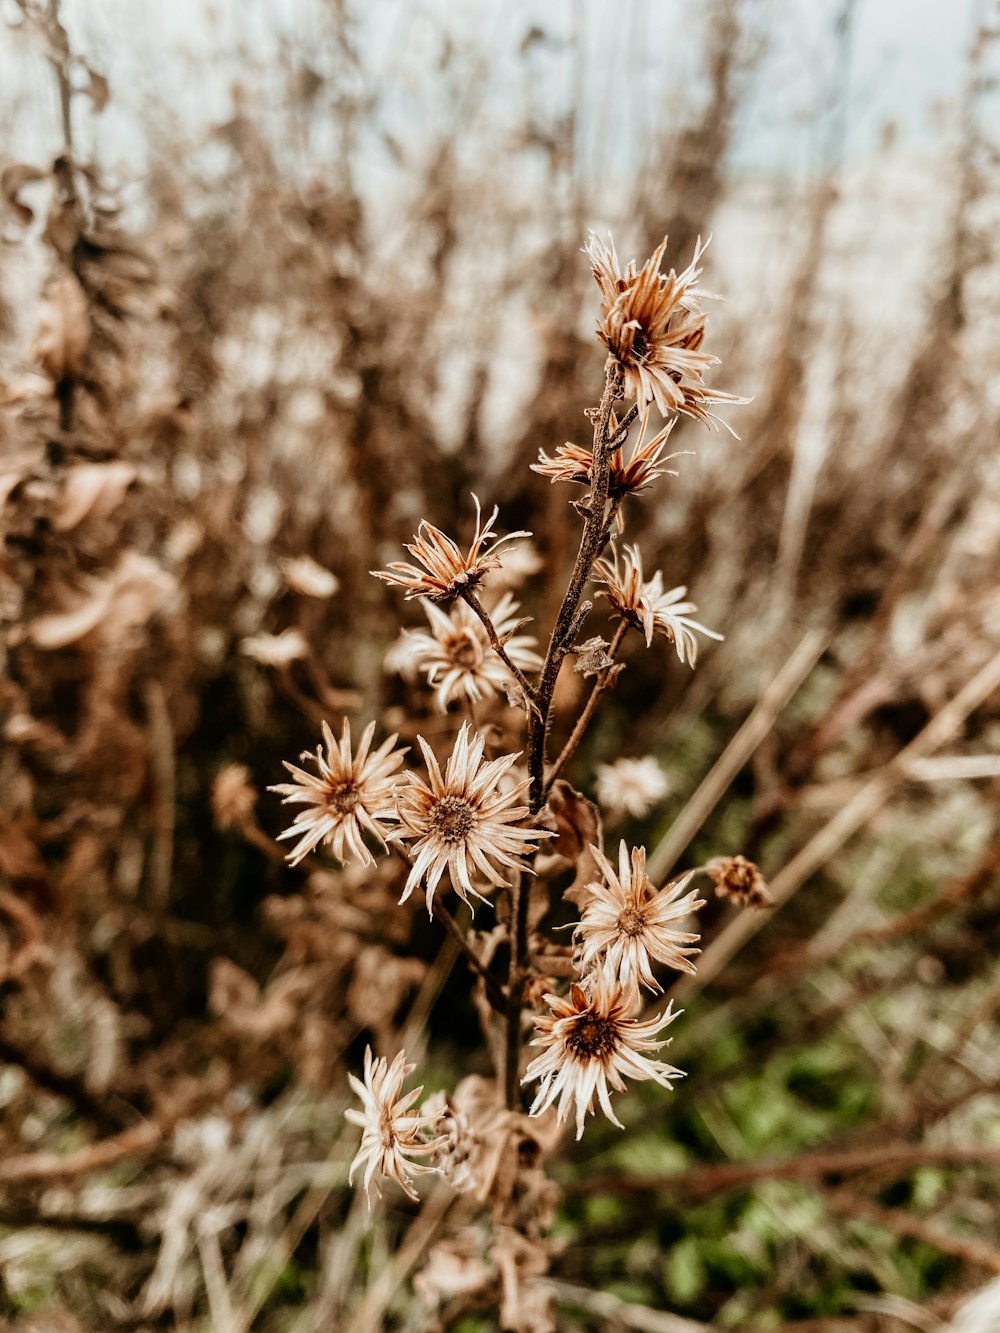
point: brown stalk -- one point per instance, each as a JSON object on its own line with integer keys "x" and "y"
{"x": 605, "y": 681}
{"x": 592, "y": 540}
{"x": 470, "y": 598}
{"x": 716, "y": 1178}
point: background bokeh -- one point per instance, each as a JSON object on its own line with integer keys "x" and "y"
{"x": 280, "y": 280}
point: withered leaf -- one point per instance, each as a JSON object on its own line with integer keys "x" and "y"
{"x": 63, "y": 328}
{"x": 577, "y": 824}
{"x": 92, "y": 490}
{"x": 12, "y": 180}
{"x": 592, "y": 656}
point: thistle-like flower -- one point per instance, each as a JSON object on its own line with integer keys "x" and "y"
{"x": 647, "y": 607}
{"x": 653, "y": 325}
{"x": 740, "y": 881}
{"x": 446, "y": 571}
{"x": 628, "y": 923}
{"x": 630, "y": 786}
{"x": 392, "y": 1134}
{"x": 347, "y": 798}
{"x": 572, "y": 462}
{"x": 590, "y": 1043}
{"x": 456, "y": 655}
{"x": 461, "y": 822}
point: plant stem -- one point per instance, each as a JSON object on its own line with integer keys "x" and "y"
{"x": 592, "y": 540}
{"x": 604, "y": 682}
{"x": 494, "y": 991}
{"x": 470, "y": 598}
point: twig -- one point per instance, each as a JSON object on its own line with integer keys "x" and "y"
{"x": 515, "y": 990}
{"x": 853, "y": 816}
{"x": 619, "y": 1313}
{"x": 719, "y": 1177}
{"x": 737, "y": 752}
{"x": 495, "y": 993}
{"x": 106, "y": 1152}
{"x": 905, "y": 1224}
{"x": 421, "y": 1232}
{"x": 605, "y": 681}
{"x": 470, "y": 598}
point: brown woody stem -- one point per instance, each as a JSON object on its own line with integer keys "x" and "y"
{"x": 605, "y": 680}
{"x": 470, "y": 598}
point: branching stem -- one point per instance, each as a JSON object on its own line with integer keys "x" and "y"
{"x": 470, "y": 598}
{"x": 604, "y": 682}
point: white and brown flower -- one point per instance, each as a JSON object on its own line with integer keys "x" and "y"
{"x": 630, "y": 786}
{"x": 445, "y": 571}
{"x": 461, "y": 821}
{"x": 653, "y": 325}
{"x": 628, "y": 924}
{"x": 591, "y": 1045}
{"x": 346, "y": 798}
{"x": 393, "y": 1134}
{"x": 456, "y": 656}
{"x": 645, "y": 605}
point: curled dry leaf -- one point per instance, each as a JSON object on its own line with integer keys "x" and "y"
{"x": 577, "y": 825}
{"x": 592, "y": 656}
{"x": 92, "y": 490}
{"x": 63, "y": 328}
{"x": 120, "y": 601}
{"x": 13, "y": 179}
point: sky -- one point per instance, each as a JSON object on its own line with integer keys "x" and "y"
{"x": 628, "y": 65}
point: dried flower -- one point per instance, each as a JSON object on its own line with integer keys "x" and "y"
{"x": 590, "y": 1042}
{"x": 392, "y": 1134}
{"x": 456, "y": 655}
{"x": 740, "y": 881}
{"x": 628, "y": 922}
{"x": 631, "y": 786}
{"x": 349, "y": 797}
{"x": 233, "y": 796}
{"x": 572, "y": 462}
{"x": 653, "y": 325}
{"x": 303, "y": 575}
{"x": 647, "y": 607}
{"x": 276, "y": 650}
{"x": 462, "y": 822}
{"x": 446, "y": 571}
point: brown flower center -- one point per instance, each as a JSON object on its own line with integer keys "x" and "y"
{"x": 640, "y": 345}
{"x": 464, "y": 653}
{"x": 343, "y": 797}
{"x": 632, "y": 922}
{"x": 453, "y": 819}
{"x": 592, "y": 1037}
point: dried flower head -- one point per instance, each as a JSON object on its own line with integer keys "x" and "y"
{"x": 653, "y": 325}
{"x": 631, "y": 786}
{"x": 572, "y": 462}
{"x": 304, "y": 576}
{"x": 628, "y": 923}
{"x": 590, "y": 1043}
{"x": 276, "y": 650}
{"x": 446, "y": 571}
{"x": 647, "y": 607}
{"x": 462, "y": 822}
{"x": 233, "y": 796}
{"x": 456, "y": 655}
{"x": 740, "y": 881}
{"x": 392, "y": 1134}
{"x": 347, "y": 798}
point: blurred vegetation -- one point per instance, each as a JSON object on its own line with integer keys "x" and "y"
{"x": 296, "y": 331}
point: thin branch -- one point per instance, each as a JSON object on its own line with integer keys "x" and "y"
{"x": 848, "y": 820}
{"x": 495, "y": 993}
{"x": 605, "y": 680}
{"x": 470, "y": 598}
{"x": 739, "y": 750}
{"x": 720, "y": 1177}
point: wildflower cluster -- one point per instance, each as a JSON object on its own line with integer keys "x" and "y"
{"x": 474, "y": 818}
